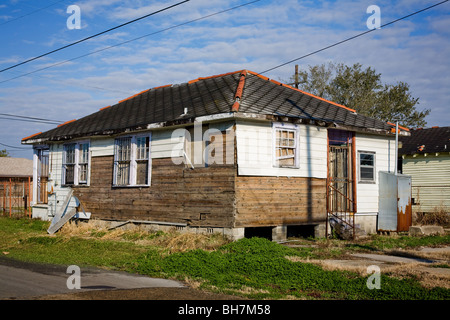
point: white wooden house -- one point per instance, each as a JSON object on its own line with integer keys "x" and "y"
{"x": 235, "y": 153}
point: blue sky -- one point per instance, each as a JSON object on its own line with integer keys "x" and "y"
{"x": 257, "y": 37}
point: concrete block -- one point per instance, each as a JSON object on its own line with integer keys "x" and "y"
{"x": 425, "y": 230}
{"x": 279, "y": 233}
{"x": 319, "y": 231}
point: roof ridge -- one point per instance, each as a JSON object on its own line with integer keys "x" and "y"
{"x": 239, "y": 91}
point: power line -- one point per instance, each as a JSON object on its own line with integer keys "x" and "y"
{"x": 21, "y": 148}
{"x": 32, "y": 12}
{"x": 95, "y": 35}
{"x": 353, "y": 37}
{"x": 131, "y": 40}
{"x": 7, "y": 116}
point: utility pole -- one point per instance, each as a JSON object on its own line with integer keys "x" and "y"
{"x": 296, "y": 76}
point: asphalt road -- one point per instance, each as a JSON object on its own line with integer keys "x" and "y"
{"x": 21, "y": 280}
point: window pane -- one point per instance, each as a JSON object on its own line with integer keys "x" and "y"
{"x": 84, "y": 153}
{"x": 69, "y": 174}
{"x": 142, "y": 148}
{"x": 123, "y": 173}
{"x": 69, "y": 153}
{"x": 142, "y": 172}
{"x": 367, "y": 174}
{"x": 366, "y": 159}
{"x": 83, "y": 173}
{"x": 287, "y": 162}
{"x": 123, "y": 150}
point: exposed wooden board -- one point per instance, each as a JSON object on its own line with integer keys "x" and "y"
{"x": 177, "y": 194}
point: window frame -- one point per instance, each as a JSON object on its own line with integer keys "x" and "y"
{"x": 76, "y": 163}
{"x": 373, "y": 167}
{"x": 289, "y": 127}
{"x": 133, "y": 160}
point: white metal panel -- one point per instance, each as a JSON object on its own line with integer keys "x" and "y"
{"x": 387, "y": 216}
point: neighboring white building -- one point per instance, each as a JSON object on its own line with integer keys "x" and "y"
{"x": 425, "y": 156}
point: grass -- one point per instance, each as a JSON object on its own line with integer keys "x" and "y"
{"x": 254, "y": 268}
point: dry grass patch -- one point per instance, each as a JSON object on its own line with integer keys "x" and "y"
{"x": 172, "y": 241}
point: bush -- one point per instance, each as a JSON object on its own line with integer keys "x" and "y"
{"x": 439, "y": 216}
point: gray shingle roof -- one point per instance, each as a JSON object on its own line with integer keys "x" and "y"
{"x": 208, "y": 96}
{"x": 16, "y": 167}
{"x": 436, "y": 139}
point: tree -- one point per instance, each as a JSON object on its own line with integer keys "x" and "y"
{"x": 4, "y": 153}
{"x": 362, "y": 90}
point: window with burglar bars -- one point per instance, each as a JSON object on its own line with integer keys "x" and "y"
{"x": 76, "y": 163}
{"x": 69, "y": 163}
{"x": 286, "y": 144}
{"x": 83, "y": 163}
{"x": 131, "y": 161}
{"x": 142, "y": 153}
{"x": 122, "y": 161}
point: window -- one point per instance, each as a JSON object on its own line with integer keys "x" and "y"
{"x": 131, "y": 161}
{"x": 122, "y": 161}
{"x": 83, "y": 163}
{"x": 142, "y": 152}
{"x": 69, "y": 164}
{"x": 366, "y": 166}
{"x": 76, "y": 163}
{"x": 286, "y": 146}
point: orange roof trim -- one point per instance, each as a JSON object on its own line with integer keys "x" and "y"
{"x": 400, "y": 127}
{"x": 134, "y": 95}
{"x": 160, "y": 87}
{"x": 33, "y": 135}
{"x": 67, "y": 122}
{"x": 104, "y": 108}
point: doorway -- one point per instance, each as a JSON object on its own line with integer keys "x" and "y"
{"x": 341, "y": 183}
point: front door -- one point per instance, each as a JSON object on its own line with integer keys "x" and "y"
{"x": 341, "y": 172}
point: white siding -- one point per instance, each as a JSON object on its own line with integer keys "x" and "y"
{"x": 167, "y": 143}
{"x": 255, "y": 151}
{"x": 55, "y": 163}
{"x": 384, "y": 148}
{"x": 102, "y": 147}
{"x": 430, "y": 179}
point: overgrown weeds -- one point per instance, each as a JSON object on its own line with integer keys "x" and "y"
{"x": 255, "y": 268}
{"x": 439, "y": 216}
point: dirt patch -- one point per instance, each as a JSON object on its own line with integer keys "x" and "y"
{"x": 141, "y": 294}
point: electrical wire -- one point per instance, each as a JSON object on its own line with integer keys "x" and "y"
{"x": 93, "y": 36}
{"x": 32, "y": 12}
{"x": 7, "y": 116}
{"x": 353, "y": 37}
{"x": 21, "y": 148}
{"x": 128, "y": 41}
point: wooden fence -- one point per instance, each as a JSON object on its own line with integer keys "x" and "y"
{"x": 15, "y": 197}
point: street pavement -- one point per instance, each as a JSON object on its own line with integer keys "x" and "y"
{"x": 21, "y": 280}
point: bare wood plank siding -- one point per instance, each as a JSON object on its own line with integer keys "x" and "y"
{"x": 279, "y": 201}
{"x": 200, "y": 197}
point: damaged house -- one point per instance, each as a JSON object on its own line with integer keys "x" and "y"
{"x": 235, "y": 153}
